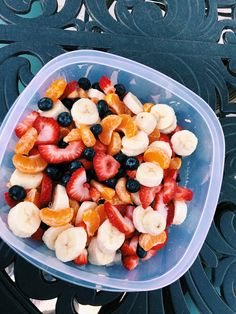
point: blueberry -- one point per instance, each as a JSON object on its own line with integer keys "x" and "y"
{"x": 132, "y": 185}
{"x": 141, "y": 252}
{"x": 120, "y": 90}
{"x": 53, "y": 171}
{"x": 121, "y": 158}
{"x": 62, "y": 144}
{"x": 111, "y": 183}
{"x": 178, "y": 178}
{"x": 121, "y": 172}
{"x": 84, "y": 83}
{"x": 64, "y": 119}
{"x": 43, "y": 226}
{"x": 45, "y": 104}
{"x": 74, "y": 165}
{"x": 68, "y": 103}
{"x": 108, "y": 113}
{"x": 90, "y": 174}
{"x": 96, "y": 129}
{"x": 132, "y": 163}
{"x": 102, "y": 108}
{"x": 17, "y": 193}
{"x": 89, "y": 153}
{"x": 65, "y": 179}
{"x": 97, "y": 86}
{"x": 101, "y": 201}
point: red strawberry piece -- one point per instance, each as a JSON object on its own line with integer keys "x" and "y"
{"x": 130, "y": 262}
{"x": 87, "y": 164}
{"x": 129, "y": 211}
{"x": 10, "y": 202}
{"x": 170, "y": 173}
{"x": 34, "y": 151}
{"x": 123, "y": 224}
{"x": 131, "y": 173}
{"x": 147, "y": 194}
{"x": 28, "y": 122}
{"x": 55, "y": 155}
{"x": 106, "y": 85}
{"x": 169, "y": 190}
{"x": 46, "y": 191}
{"x": 82, "y": 225}
{"x": 183, "y": 194}
{"x": 122, "y": 209}
{"x": 99, "y": 147}
{"x": 129, "y": 247}
{"x": 160, "y": 245}
{"x": 150, "y": 254}
{"x": 70, "y": 87}
{"x": 170, "y": 214}
{"x": 38, "y": 234}
{"x": 177, "y": 129}
{"x": 140, "y": 158}
{"x": 95, "y": 195}
{"x": 164, "y": 138}
{"x": 82, "y": 259}
{"x": 77, "y": 188}
{"x": 105, "y": 166}
{"x": 48, "y": 130}
{"x": 159, "y": 203}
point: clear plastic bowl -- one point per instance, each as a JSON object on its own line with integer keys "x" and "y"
{"x": 202, "y": 171}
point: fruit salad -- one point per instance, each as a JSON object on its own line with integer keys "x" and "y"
{"x": 97, "y": 174}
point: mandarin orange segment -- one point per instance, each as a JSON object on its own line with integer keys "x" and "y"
{"x": 75, "y": 205}
{"x": 73, "y": 135}
{"x": 106, "y": 193}
{"x": 92, "y": 220}
{"x": 33, "y": 196}
{"x": 82, "y": 93}
{"x": 148, "y": 241}
{"x": 175, "y": 163}
{"x": 117, "y": 201}
{"x": 115, "y": 103}
{"x": 101, "y": 212}
{"x": 128, "y": 126}
{"x": 157, "y": 155}
{"x": 122, "y": 192}
{"x": 26, "y": 142}
{"x": 95, "y": 100}
{"x": 56, "y": 218}
{"x": 147, "y": 106}
{"x": 115, "y": 146}
{"x": 109, "y": 124}
{"x": 87, "y": 136}
{"x": 56, "y": 89}
{"x": 29, "y": 164}
{"x": 154, "y": 136}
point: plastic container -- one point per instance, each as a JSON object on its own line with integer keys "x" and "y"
{"x": 202, "y": 171}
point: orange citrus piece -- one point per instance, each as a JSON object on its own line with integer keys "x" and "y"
{"x": 56, "y": 89}
{"x": 73, "y": 135}
{"x": 101, "y": 212}
{"x": 117, "y": 201}
{"x": 33, "y": 196}
{"x": 115, "y": 146}
{"x": 128, "y": 111}
{"x": 29, "y": 164}
{"x": 75, "y": 205}
{"x": 154, "y": 136}
{"x": 147, "y": 106}
{"x": 109, "y": 124}
{"x": 122, "y": 192}
{"x": 157, "y": 155}
{"x": 26, "y": 142}
{"x": 128, "y": 125}
{"x": 175, "y": 163}
{"x": 115, "y": 103}
{"x": 92, "y": 220}
{"x": 87, "y": 136}
{"x": 106, "y": 193}
{"x": 56, "y": 218}
{"x": 82, "y": 93}
{"x": 95, "y": 100}
{"x": 63, "y": 132}
{"x": 148, "y": 241}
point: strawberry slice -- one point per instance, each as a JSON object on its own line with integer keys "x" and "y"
{"x": 121, "y": 208}
{"x": 169, "y": 190}
{"x": 28, "y": 122}
{"x": 95, "y": 195}
{"x": 177, "y": 129}
{"x": 86, "y": 163}
{"x": 147, "y": 194}
{"x": 70, "y": 88}
{"x": 164, "y": 138}
{"x": 55, "y": 155}
{"x": 159, "y": 203}
{"x": 46, "y": 191}
{"x": 131, "y": 173}
{"x": 170, "y": 173}
{"x": 82, "y": 259}
{"x": 48, "y": 130}
{"x": 99, "y": 147}
{"x": 170, "y": 214}
{"x": 105, "y": 166}
{"x": 123, "y": 224}
{"x": 129, "y": 247}
{"x": 130, "y": 262}
{"x": 106, "y": 85}
{"x": 38, "y": 234}
{"x": 10, "y": 202}
{"x": 77, "y": 188}
{"x": 183, "y": 194}
{"x": 34, "y": 151}
{"x": 129, "y": 211}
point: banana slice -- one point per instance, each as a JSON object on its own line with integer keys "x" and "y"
{"x": 23, "y": 219}
{"x": 26, "y": 180}
{"x": 84, "y": 111}
{"x": 95, "y": 93}
{"x": 162, "y": 145}
{"x": 70, "y": 243}
{"x": 180, "y": 214}
{"x": 60, "y": 198}
{"x": 96, "y": 256}
{"x": 184, "y": 142}
{"x": 51, "y": 234}
{"x": 57, "y": 108}
{"x": 137, "y": 143}
{"x": 132, "y": 152}
{"x": 83, "y": 207}
{"x": 149, "y": 174}
{"x": 133, "y": 103}
{"x": 135, "y": 198}
{"x": 138, "y": 215}
{"x": 109, "y": 239}
{"x": 146, "y": 122}
{"x": 164, "y": 114}
{"x": 154, "y": 222}
{"x": 170, "y": 128}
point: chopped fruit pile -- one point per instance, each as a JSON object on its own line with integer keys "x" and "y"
{"x": 96, "y": 173}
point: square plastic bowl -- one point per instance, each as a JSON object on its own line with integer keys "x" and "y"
{"x": 201, "y": 172}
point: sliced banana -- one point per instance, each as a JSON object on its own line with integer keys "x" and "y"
{"x": 51, "y": 234}
{"x": 184, "y": 142}
{"x": 95, "y": 93}
{"x": 162, "y": 145}
{"x": 154, "y": 222}
{"x": 57, "y": 108}
{"x": 109, "y": 238}
{"x": 139, "y": 142}
{"x": 70, "y": 243}
{"x": 138, "y": 215}
{"x": 26, "y": 180}
{"x": 170, "y": 128}
{"x": 84, "y": 111}
{"x": 135, "y": 198}
{"x": 132, "y": 152}
{"x": 180, "y": 214}
{"x": 96, "y": 256}
{"x": 149, "y": 174}
{"x": 60, "y": 198}
{"x": 83, "y": 207}
{"x": 133, "y": 103}
{"x": 146, "y": 122}
{"x": 23, "y": 219}
{"x": 164, "y": 114}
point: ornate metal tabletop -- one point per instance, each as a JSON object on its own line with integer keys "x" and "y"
{"x": 194, "y": 42}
